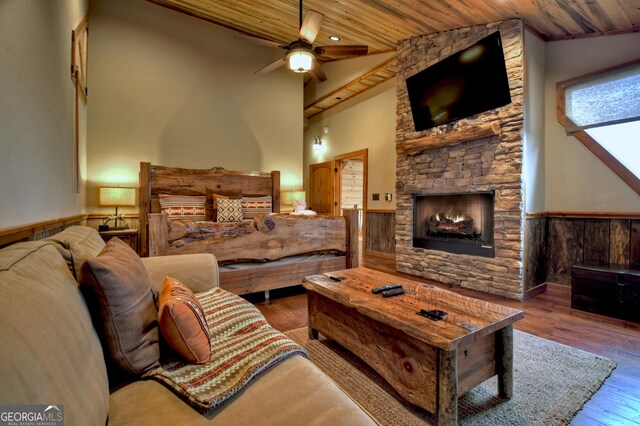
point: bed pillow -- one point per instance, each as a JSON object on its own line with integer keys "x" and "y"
{"x": 212, "y": 202}
{"x": 254, "y": 206}
{"x": 189, "y": 207}
{"x": 182, "y": 322}
{"x": 117, "y": 288}
{"x": 229, "y": 210}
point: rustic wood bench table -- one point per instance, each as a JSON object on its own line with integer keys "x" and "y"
{"x": 429, "y": 363}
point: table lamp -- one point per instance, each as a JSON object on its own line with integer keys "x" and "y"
{"x": 116, "y": 196}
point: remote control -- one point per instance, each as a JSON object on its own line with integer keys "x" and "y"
{"x": 434, "y": 315}
{"x": 336, "y": 279}
{"x": 393, "y": 292}
{"x": 385, "y": 288}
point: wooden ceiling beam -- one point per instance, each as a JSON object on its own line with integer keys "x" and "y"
{"x": 343, "y": 93}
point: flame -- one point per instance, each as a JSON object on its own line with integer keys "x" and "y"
{"x": 454, "y": 218}
{"x": 457, "y": 218}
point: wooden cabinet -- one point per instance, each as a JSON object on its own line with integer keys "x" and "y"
{"x": 129, "y": 236}
{"x": 606, "y": 291}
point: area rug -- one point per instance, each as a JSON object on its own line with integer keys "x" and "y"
{"x": 551, "y": 384}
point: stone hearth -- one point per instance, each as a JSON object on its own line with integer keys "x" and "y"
{"x": 487, "y": 164}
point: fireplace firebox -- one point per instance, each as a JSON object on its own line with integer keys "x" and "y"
{"x": 455, "y": 223}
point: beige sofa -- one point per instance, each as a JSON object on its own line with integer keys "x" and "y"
{"x": 50, "y": 353}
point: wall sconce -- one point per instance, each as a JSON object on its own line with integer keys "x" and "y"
{"x": 116, "y": 196}
{"x": 317, "y": 144}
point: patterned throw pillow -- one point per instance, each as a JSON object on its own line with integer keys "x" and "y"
{"x": 182, "y": 322}
{"x": 229, "y": 210}
{"x": 254, "y": 206}
{"x": 183, "y": 206}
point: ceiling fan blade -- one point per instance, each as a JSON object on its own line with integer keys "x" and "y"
{"x": 259, "y": 40}
{"x": 272, "y": 66}
{"x": 341, "y": 52}
{"x": 318, "y": 74}
{"x": 311, "y": 26}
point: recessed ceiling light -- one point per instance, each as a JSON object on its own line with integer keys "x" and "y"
{"x": 334, "y": 38}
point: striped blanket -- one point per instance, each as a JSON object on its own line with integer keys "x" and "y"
{"x": 243, "y": 346}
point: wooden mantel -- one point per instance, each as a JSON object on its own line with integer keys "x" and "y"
{"x": 416, "y": 146}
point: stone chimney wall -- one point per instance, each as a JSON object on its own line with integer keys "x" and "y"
{"x": 486, "y": 164}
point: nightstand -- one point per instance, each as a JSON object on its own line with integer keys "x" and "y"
{"x": 129, "y": 236}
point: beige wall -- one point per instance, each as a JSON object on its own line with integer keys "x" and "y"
{"x": 576, "y": 179}
{"x": 369, "y": 124}
{"x": 533, "y": 158}
{"x": 37, "y": 113}
{"x": 174, "y": 90}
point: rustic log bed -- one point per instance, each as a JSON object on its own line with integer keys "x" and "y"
{"x": 271, "y": 251}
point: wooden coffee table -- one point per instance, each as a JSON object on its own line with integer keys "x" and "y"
{"x": 429, "y": 363}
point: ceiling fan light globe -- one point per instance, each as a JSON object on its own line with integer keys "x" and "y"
{"x": 300, "y": 60}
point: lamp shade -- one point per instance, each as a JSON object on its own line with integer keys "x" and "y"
{"x": 117, "y": 196}
{"x": 289, "y": 197}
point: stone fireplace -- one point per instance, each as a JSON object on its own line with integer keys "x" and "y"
{"x": 459, "y": 186}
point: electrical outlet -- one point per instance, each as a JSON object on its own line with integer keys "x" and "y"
{"x": 375, "y": 197}
{"x": 388, "y": 196}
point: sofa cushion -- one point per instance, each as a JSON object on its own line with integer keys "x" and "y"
{"x": 243, "y": 347}
{"x": 294, "y": 392}
{"x": 182, "y": 322}
{"x": 50, "y": 352}
{"x": 76, "y": 244}
{"x": 118, "y": 291}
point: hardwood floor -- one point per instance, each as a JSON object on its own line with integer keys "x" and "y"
{"x": 548, "y": 315}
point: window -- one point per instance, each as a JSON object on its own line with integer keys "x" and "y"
{"x": 602, "y": 110}
{"x": 621, "y": 140}
{"x": 605, "y": 98}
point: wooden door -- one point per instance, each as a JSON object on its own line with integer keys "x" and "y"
{"x": 322, "y": 188}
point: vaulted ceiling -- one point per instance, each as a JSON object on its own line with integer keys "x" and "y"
{"x": 380, "y": 24}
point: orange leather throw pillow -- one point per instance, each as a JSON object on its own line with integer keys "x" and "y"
{"x": 182, "y": 322}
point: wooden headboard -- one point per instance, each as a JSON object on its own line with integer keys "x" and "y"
{"x": 156, "y": 180}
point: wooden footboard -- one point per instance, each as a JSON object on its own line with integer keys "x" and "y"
{"x": 266, "y": 238}
{"x": 267, "y": 276}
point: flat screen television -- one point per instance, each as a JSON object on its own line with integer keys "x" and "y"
{"x": 466, "y": 83}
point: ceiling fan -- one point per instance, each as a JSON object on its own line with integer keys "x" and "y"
{"x": 301, "y": 55}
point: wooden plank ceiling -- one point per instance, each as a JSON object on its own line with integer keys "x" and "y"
{"x": 380, "y": 24}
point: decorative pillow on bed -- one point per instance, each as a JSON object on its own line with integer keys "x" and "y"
{"x": 229, "y": 210}
{"x": 182, "y": 322}
{"x": 254, "y": 206}
{"x": 212, "y": 202}
{"x": 183, "y": 206}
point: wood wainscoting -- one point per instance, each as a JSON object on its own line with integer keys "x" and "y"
{"x": 39, "y": 230}
{"x": 560, "y": 240}
{"x": 380, "y": 232}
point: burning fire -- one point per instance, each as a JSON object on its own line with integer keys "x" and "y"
{"x": 455, "y": 219}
